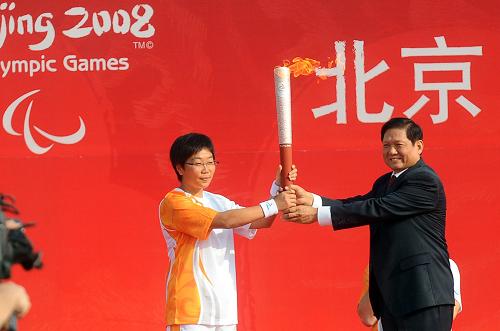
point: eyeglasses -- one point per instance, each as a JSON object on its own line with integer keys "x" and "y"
{"x": 200, "y": 165}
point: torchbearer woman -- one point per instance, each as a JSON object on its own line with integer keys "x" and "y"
{"x": 198, "y": 227}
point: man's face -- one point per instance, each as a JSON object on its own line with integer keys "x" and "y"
{"x": 398, "y": 151}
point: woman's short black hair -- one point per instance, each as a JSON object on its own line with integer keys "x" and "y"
{"x": 186, "y": 146}
{"x": 413, "y": 130}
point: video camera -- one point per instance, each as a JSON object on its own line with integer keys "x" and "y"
{"x": 15, "y": 247}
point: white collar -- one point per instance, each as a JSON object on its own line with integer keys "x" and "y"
{"x": 399, "y": 173}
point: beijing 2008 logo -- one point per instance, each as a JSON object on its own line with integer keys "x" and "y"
{"x": 30, "y": 141}
{"x": 136, "y": 22}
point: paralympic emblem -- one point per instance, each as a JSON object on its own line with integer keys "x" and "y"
{"x": 31, "y": 143}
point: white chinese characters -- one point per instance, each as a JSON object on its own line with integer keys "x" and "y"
{"x": 443, "y": 87}
{"x": 362, "y": 77}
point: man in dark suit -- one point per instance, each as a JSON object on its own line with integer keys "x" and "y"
{"x": 411, "y": 285}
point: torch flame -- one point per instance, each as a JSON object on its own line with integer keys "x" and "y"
{"x": 301, "y": 67}
{"x": 306, "y": 66}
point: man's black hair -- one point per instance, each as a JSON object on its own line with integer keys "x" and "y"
{"x": 413, "y": 130}
{"x": 186, "y": 146}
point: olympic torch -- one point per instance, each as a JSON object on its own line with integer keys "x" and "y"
{"x": 283, "y": 109}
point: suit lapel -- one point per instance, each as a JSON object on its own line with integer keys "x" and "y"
{"x": 384, "y": 188}
{"x": 401, "y": 177}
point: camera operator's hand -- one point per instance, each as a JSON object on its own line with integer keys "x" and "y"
{"x": 13, "y": 301}
{"x": 11, "y": 224}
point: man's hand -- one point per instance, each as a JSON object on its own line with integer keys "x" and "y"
{"x": 286, "y": 199}
{"x": 301, "y": 214}
{"x": 11, "y": 224}
{"x": 303, "y": 197}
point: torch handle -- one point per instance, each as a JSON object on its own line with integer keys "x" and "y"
{"x": 286, "y": 164}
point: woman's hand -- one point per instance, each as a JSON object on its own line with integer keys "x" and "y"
{"x": 292, "y": 175}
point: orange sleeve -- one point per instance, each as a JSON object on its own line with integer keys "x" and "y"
{"x": 180, "y": 212}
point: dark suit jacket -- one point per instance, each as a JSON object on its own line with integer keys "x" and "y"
{"x": 409, "y": 266}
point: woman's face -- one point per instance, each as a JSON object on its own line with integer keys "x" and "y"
{"x": 197, "y": 172}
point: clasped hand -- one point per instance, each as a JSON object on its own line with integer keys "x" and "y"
{"x": 286, "y": 199}
{"x": 299, "y": 207}
{"x": 302, "y": 212}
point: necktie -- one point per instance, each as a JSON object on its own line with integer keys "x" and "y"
{"x": 392, "y": 180}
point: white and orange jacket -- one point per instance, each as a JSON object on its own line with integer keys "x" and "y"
{"x": 201, "y": 282}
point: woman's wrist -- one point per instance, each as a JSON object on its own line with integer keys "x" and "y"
{"x": 269, "y": 207}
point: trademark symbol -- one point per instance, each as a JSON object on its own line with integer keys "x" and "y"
{"x": 143, "y": 44}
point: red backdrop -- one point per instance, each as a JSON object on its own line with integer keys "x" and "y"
{"x": 208, "y": 67}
